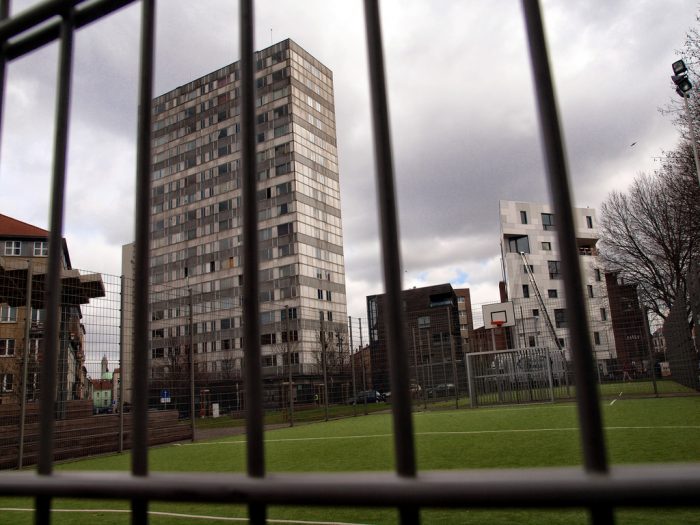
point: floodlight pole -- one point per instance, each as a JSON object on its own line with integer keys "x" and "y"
{"x": 686, "y": 96}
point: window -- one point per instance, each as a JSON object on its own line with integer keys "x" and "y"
{"x": 603, "y": 314}
{"x": 561, "y": 342}
{"x": 596, "y": 337}
{"x": 291, "y": 313}
{"x": 560, "y": 318}
{"x": 589, "y": 287}
{"x": 535, "y": 312}
{"x": 6, "y": 385}
{"x": 13, "y": 247}
{"x": 519, "y": 244}
{"x": 268, "y": 339}
{"x": 319, "y": 294}
{"x": 597, "y": 274}
{"x": 531, "y": 340}
{"x": 8, "y": 314}
{"x": 293, "y": 336}
{"x": 7, "y": 347}
{"x": 269, "y": 360}
{"x": 424, "y": 322}
{"x": 460, "y": 299}
{"x": 548, "y": 221}
{"x": 552, "y": 293}
{"x": 41, "y": 249}
{"x": 589, "y": 221}
{"x": 554, "y": 269}
{"x": 38, "y": 315}
{"x": 527, "y": 267}
{"x": 547, "y": 246}
{"x": 523, "y": 217}
{"x": 526, "y": 291}
{"x": 328, "y": 295}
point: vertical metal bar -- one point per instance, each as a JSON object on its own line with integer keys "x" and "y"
{"x": 324, "y": 369}
{"x": 191, "y": 356}
{"x": 289, "y": 363}
{"x": 4, "y": 13}
{"x": 586, "y": 391}
{"x": 352, "y": 369}
{"x": 53, "y": 277}
{"x": 364, "y": 371}
{"x": 25, "y": 364}
{"x": 253, "y": 373}
{"x": 122, "y": 370}
{"x": 386, "y": 195}
{"x": 139, "y": 447}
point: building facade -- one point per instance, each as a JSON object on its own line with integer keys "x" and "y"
{"x": 24, "y": 253}
{"x": 196, "y": 231}
{"x": 530, "y": 229}
{"x": 432, "y": 331}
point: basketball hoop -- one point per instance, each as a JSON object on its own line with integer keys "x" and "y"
{"x": 497, "y": 323}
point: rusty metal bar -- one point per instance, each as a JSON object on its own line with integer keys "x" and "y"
{"x": 53, "y": 280}
{"x": 388, "y": 220}
{"x": 662, "y": 486}
{"x": 588, "y": 402}
{"x": 21, "y": 45}
{"x": 140, "y": 346}
{"x": 251, "y": 318}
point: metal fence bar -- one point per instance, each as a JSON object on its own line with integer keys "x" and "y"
{"x": 85, "y": 15}
{"x": 251, "y": 319}
{"x": 4, "y": 14}
{"x": 139, "y": 463}
{"x": 662, "y": 486}
{"x": 593, "y": 443}
{"x": 386, "y": 196}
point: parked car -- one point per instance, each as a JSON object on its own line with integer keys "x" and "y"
{"x": 372, "y": 396}
{"x": 442, "y": 390}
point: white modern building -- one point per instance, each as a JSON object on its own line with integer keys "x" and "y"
{"x": 530, "y": 229}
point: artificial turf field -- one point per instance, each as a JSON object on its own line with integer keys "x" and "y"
{"x": 637, "y": 431}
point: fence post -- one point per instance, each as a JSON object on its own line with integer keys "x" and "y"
{"x": 191, "y": 323}
{"x": 352, "y": 368}
{"x": 473, "y": 402}
{"x": 289, "y": 363}
{"x": 323, "y": 366}
{"x": 25, "y": 364}
{"x": 364, "y": 373}
{"x": 549, "y": 374}
{"x": 455, "y": 378}
{"x": 122, "y": 369}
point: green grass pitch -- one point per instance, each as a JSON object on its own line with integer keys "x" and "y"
{"x": 637, "y": 431}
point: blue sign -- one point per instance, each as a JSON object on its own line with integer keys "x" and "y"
{"x": 165, "y": 396}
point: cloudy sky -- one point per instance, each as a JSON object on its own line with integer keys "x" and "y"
{"x": 463, "y": 118}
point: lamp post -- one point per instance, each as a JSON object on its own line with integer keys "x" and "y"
{"x": 683, "y": 88}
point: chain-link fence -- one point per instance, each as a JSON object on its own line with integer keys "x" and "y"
{"x": 315, "y": 365}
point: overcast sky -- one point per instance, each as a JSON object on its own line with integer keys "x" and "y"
{"x": 464, "y": 126}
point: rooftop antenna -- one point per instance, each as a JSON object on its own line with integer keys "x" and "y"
{"x": 270, "y": 36}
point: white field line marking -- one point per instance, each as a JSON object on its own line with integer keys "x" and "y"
{"x": 618, "y": 397}
{"x": 190, "y": 516}
{"x": 444, "y": 432}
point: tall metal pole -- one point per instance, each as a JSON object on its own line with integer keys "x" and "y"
{"x": 352, "y": 368}
{"x": 323, "y": 366}
{"x": 122, "y": 369}
{"x": 191, "y": 323}
{"x": 364, "y": 373}
{"x": 692, "y": 135}
{"x": 25, "y": 364}
{"x": 289, "y": 362}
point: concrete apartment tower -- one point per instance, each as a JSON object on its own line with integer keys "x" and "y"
{"x": 531, "y": 228}
{"x": 196, "y": 223}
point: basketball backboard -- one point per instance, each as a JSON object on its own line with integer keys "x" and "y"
{"x": 503, "y": 312}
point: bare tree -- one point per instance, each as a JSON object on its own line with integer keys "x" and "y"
{"x": 650, "y": 234}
